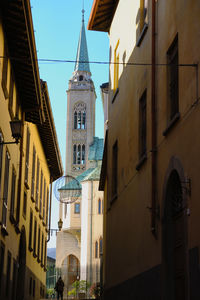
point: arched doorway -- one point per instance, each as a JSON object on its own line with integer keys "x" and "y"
{"x": 73, "y": 269}
{"x": 21, "y": 266}
{"x": 174, "y": 244}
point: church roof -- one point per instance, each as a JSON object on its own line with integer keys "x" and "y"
{"x": 82, "y": 60}
{"x": 96, "y": 149}
{"x": 94, "y": 174}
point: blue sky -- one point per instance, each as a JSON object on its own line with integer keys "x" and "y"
{"x": 57, "y": 27}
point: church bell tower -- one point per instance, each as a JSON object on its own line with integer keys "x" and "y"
{"x": 81, "y": 99}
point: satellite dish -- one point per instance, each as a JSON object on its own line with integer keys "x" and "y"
{"x": 67, "y": 189}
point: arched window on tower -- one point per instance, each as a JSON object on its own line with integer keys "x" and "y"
{"x": 79, "y": 155}
{"x": 80, "y": 116}
{"x": 79, "y": 120}
{"x": 75, "y": 120}
{"x": 100, "y": 246}
{"x": 83, "y": 155}
{"x": 83, "y": 120}
{"x": 74, "y": 155}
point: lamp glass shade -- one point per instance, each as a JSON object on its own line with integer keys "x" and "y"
{"x": 60, "y": 223}
{"x": 16, "y": 129}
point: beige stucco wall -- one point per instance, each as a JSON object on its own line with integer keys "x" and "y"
{"x": 130, "y": 247}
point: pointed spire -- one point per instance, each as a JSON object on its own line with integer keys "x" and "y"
{"x": 82, "y": 60}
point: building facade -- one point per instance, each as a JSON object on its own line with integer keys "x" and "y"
{"x": 150, "y": 164}
{"x": 27, "y": 168}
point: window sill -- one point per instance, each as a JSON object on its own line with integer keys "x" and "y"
{"x": 4, "y": 231}
{"x": 43, "y": 223}
{"x": 141, "y": 162}
{"x": 26, "y": 184}
{"x": 171, "y": 123}
{"x": 30, "y": 249}
{"x": 115, "y": 95}
{"x": 17, "y": 230}
{"x": 34, "y": 255}
{"x": 12, "y": 219}
{"x": 142, "y": 34}
{"x": 40, "y": 216}
{"x": 32, "y": 198}
{"x": 36, "y": 208}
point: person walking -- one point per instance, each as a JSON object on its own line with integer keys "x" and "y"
{"x": 59, "y": 288}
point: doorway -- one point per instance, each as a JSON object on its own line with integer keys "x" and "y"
{"x": 174, "y": 244}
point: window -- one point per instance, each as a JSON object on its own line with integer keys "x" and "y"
{"x": 4, "y": 81}
{"x": 142, "y": 125}
{"x": 27, "y": 156}
{"x": 83, "y": 155}
{"x": 79, "y": 154}
{"x": 5, "y": 190}
{"x": 80, "y": 116}
{"x": 47, "y": 206}
{"x": 173, "y": 78}
{"x": 96, "y": 249}
{"x": 75, "y": 120}
{"x": 114, "y": 169}
{"x": 11, "y": 88}
{"x": 8, "y": 274}
{"x": 44, "y": 200}
{"x": 30, "y": 231}
{"x": 25, "y": 205}
{"x": 42, "y": 249}
{"x": 14, "y": 279}
{"x": 30, "y": 286}
{"x": 45, "y": 254}
{"x": 35, "y": 238}
{"x": 143, "y": 14}
{"x": 116, "y": 66}
{"x": 77, "y": 208}
{"x": 100, "y": 247}
{"x": 12, "y": 202}
{"x": 99, "y": 206}
{"x": 33, "y": 287}
{"x": 38, "y": 250}
{"x": 74, "y": 155}
{"x": 33, "y": 175}
{"x": 37, "y": 183}
{"x": 41, "y": 191}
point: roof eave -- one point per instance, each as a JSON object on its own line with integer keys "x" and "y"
{"x": 101, "y": 15}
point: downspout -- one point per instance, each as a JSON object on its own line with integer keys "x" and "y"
{"x": 50, "y": 200}
{"x": 154, "y": 124}
{"x": 91, "y": 210}
{"x": 20, "y": 177}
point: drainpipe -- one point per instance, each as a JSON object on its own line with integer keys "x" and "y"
{"x": 51, "y": 180}
{"x": 20, "y": 177}
{"x": 154, "y": 124}
{"x": 91, "y": 210}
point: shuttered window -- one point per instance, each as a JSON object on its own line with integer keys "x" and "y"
{"x": 33, "y": 175}
{"x": 27, "y": 156}
{"x": 5, "y": 190}
{"x": 30, "y": 231}
{"x": 44, "y": 200}
{"x": 142, "y": 125}
{"x": 35, "y": 238}
{"x": 173, "y": 79}
{"x": 12, "y": 202}
{"x": 41, "y": 191}
{"x": 1, "y": 158}
{"x": 37, "y": 183}
{"x": 38, "y": 250}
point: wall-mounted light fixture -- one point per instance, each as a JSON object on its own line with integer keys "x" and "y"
{"x": 60, "y": 224}
{"x": 16, "y": 129}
